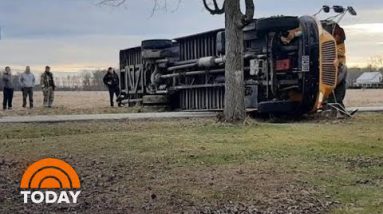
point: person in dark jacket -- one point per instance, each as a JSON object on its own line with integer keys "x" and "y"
{"x": 112, "y": 81}
{"x": 8, "y": 88}
{"x": 340, "y": 91}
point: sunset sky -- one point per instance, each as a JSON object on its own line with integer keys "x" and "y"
{"x": 76, "y": 35}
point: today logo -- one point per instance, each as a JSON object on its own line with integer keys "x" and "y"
{"x": 50, "y": 174}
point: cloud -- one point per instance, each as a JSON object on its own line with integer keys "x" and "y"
{"x": 366, "y": 28}
{"x": 362, "y": 42}
{"x": 65, "y": 54}
{"x": 74, "y": 35}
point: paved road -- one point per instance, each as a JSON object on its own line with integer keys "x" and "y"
{"x": 101, "y": 117}
{"x": 128, "y": 116}
{"x": 367, "y": 109}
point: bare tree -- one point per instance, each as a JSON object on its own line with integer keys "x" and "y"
{"x": 375, "y": 63}
{"x": 235, "y": 20}
{"x": 157, "y": 4}
{"x": 86, "y": 80}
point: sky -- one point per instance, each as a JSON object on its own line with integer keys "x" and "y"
{"x": 77, "y": 35}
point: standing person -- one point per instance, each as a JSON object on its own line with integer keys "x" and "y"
{"x": 27, "y": 82}
{"x": 112, "y": 81}
{"x": 8, "y": 88}
{"x": 340, "y": 91}
{"x": 48, "y": 86}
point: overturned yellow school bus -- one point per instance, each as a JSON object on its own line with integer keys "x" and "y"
{"x": 283, "y": 74}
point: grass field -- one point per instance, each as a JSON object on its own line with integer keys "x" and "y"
{"x": 203, "y": 166}
{"x": 85, "y": 102}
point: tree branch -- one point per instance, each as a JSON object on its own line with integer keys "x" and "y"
{"x": 249, "y": 14}
{"x": 215, "y": 10}
{"x": 157, "y": 4}
{"x": 114, "y": 3}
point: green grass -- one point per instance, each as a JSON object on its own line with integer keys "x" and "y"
{"x": 338, "y": 161}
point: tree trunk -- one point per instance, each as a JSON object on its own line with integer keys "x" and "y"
{"x": 234, "y": 74}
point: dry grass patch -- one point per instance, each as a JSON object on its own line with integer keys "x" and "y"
{"x": 199, "y": 165}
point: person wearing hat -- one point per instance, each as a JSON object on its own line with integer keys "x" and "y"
{"x": 27, "y": 82}
{"x": 48, "y": 86}
{"x": 8, "y": 88}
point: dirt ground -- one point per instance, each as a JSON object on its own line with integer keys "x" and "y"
{"x": 68, "y": 102}
{"x": 364, "y": 97}
{"x": 98, "y": 102}
{"x": 202, "y": 166}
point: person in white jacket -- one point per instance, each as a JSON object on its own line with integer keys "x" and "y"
{"x": 27, "y": 82}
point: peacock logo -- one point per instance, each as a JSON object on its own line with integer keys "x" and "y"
{"x": 44, "y": 178}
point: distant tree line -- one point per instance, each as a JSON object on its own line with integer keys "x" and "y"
{"x": 85, "y": 81}
{"x": 93, "y": 81}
